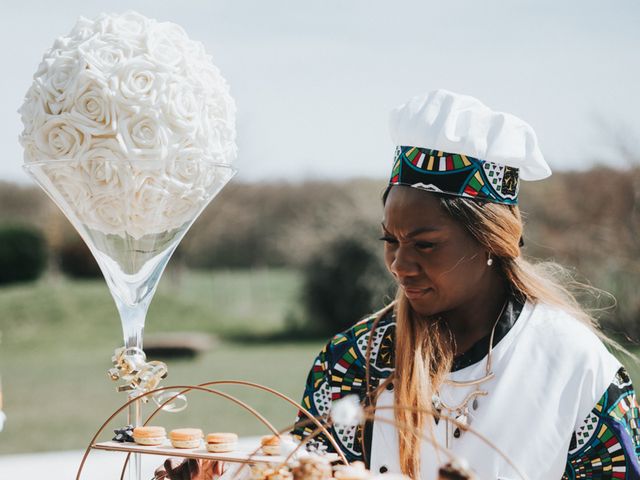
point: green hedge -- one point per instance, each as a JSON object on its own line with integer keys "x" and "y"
{"x": 342, "y": 283}
{"x": 77, "y": 261}
{"x": 23, "y": 254}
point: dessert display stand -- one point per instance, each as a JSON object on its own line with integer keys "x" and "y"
{"x": 172, "y": 393}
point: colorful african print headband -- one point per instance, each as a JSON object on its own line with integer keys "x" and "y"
{"x": 455, "y": 174}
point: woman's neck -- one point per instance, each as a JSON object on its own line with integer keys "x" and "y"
{"x": 475, "y": 319}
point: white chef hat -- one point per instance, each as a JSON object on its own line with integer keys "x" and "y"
{"x": 455, "y": 144}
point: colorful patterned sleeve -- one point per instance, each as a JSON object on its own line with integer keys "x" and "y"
{"x": 607, "y": 444}
{"x": 316, "y": 399}
{"x": 338, "y": 371}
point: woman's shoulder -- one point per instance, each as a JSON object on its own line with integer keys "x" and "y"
{"x": 558, "y": 325}
{"x": 567, "y": 338}
{"x": 371, "y": 338}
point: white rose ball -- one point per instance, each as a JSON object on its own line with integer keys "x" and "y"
{"x": 141, "y": 112}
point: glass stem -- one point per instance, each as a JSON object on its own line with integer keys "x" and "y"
{"x": 133, "y": 318}
{"x": 134, "y": 417}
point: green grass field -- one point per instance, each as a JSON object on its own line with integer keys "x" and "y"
{"x": 58, "y": 337}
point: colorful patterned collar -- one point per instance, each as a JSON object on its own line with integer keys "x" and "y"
{"x": 455, "y": 174}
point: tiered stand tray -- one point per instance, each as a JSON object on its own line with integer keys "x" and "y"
{"x": 238, "y": 456}
{"x": 243, "y": 455}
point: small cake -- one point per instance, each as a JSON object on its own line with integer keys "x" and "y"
{"x": 185, "y": 437}
{"x": 354, "y": 471}
{"x": 312, "y": 467}
{"x": 149, "y": 435}
{"x": 280, "y": 474}
{"x": 222, "y": 442}
{"x": 258, "y": 471}
{"x": 270, "y": 444}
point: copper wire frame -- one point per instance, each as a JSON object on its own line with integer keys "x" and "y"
{"x": 203, "y": 387}
{"x": 320, "y": 428}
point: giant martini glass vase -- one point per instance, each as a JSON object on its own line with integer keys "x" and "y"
{"x": 132, "y": 216}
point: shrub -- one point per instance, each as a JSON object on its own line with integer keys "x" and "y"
{"x": 77, "y": 261}
{"x": 342, "y": 283}
{"x": 23, "y": 254}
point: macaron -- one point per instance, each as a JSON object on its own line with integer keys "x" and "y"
{"x": 279, "y": 474}
{"x": 149, "y": 435}
{"x": 185, "y": 437}
{"x": 222, "y": 442}
{"x": 270, "y": 444}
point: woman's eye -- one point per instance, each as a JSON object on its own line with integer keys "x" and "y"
{"x": 424, "y": 245}
{"x": 388, "y": 239}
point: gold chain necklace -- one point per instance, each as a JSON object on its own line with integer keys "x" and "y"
{"x": 462, "y": 412}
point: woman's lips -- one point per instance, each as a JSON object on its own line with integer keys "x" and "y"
{"x": 412, "y": 293}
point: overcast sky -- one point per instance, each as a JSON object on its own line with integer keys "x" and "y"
{"x": 314, "y": 81}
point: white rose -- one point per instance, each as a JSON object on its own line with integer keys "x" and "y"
{"x": 182, "y": 109}
{"x": 196, "y": 52}
{"x": 143, "y": 135}
{"x": 208, "y": 77}
{"x": 186, "y": 165}
{"x": 104, "y": 53}
{"x": 31, "y": 152}
{"x": 185, "y": 204}
{"x": 166, "y": 44}
{"x": 82, "y": 30}
{"x": 130, "y": 26}
{"x": 138, "y": 83}
{"x": 105, "y": 169}
{"x": 218, "y": 130}
{"x": 58, "y": 79}
{"x": 71, "y": 188}
{"x": 32, "y": 112}
{"x": 147, "y": 206}
{"x": 61, "y": 138}
{"x": 93, "y": 105}
{"x": 107, "y": 213}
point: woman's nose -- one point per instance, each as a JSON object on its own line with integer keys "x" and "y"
{"x": 403, "y": 264}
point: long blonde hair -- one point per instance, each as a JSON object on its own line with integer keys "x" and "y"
{"x": 424, "y": 346}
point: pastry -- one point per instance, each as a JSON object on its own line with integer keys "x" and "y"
{"x": 185, "y": 437}
{"x": 280, "y": 474}
{"x": 149, "y": 435}
{"x": 222, "y": 442}
{"x": 270, "y": 444}
{"x": 312, "y": 467}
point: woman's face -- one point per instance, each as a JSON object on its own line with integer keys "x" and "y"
{"x": 438, "y": 264}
